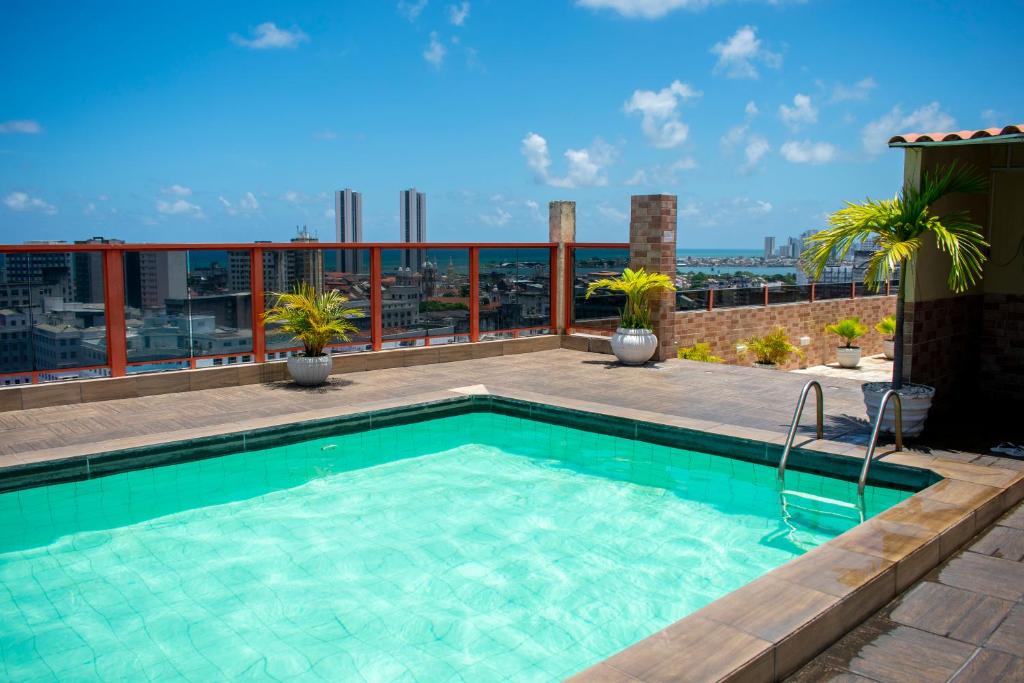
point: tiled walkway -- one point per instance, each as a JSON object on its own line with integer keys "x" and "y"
{"x": 963, "y": 622}
{"x": 715, "y": 394}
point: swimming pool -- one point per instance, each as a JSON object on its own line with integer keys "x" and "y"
{"x": 475, "y": 546}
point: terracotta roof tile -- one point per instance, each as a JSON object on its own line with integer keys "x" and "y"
{"x": 957, "y": 136}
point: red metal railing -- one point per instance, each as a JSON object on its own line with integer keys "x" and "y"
{"x": 112, "y": 257}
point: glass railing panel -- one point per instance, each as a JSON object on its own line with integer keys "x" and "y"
{"x": 52, "y": 317}
{"x": 515, "y": 292}
{"x": 425, "y": 297}
{"x": 832, "y": 290}
{"x": 601, "y": 311}
{"x": 344, "y": 270}
{"x": 157, "y": 323}
{"x": 870, "y": 289}
{"x": 219, "y": 307}
{"x": 692, "y": 299}
{"x": 788, "y": 294}
{"x": 744, "y": 296}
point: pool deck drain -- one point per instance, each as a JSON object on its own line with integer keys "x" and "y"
{"x": 750, "y": 634}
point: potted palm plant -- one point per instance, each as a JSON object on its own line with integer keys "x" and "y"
{"x": 887, "y": 328}
{"x": 314, "y": 320}
{"x": 849, "y": 330}
{"x": 899, "y": 226}
{"x": 634, "y": 342}
{"x": 771, "y": 350}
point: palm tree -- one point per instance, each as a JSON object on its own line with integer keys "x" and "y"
{"x": 313, "y": 319}
{"x": 899, "y": 226}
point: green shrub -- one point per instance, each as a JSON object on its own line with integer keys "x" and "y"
{"x": 773, "y": 348}
{"x": 848, "y": 329}
{"x": 699, "y": 352}
{"x": 887, "y": 326}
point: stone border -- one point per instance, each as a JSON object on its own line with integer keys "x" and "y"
{"x": 762, "y": 631}
{"x": 175, "y": 381}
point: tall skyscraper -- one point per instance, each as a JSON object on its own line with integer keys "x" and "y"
{"x": 769, "y": 247}
{"x": 412, "y": 214}
{"x": 88, "y": 271}
{"x": 348, "y": 227}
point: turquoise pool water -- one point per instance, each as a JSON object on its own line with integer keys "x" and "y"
{"x": 472, "y": 548}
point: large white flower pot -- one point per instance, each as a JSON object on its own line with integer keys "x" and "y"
{"x": 633, "y": 346}
{"x": 848, "y": 356}
{"x": 309, "y": 371}
{"x": 889, "y": 349}
{"x": 916, "y": 401}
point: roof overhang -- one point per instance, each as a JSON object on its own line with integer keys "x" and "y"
{"x": 982, "y": 136}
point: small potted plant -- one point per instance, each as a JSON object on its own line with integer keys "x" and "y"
{"x": 849, "y": 330}
{"x": 771, "y": 350}
{"x": 887, "y": 328}
{"x": 634, "y": 342}
{"x": 314, "y": 320}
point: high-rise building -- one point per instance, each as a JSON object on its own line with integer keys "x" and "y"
{"x": 88, "y": 271}
{"x": 305, "y": 265}
{"x": 412, "y": 215}
{"x": 769, "y": 247}
{"x": 793, "y": 247}
{"x": 152, "y": 277}
{"x": 348, "y": 227}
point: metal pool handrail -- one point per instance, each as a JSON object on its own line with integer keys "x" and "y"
{"x": 870, "y": 455}
{"x": 820, "y": 401}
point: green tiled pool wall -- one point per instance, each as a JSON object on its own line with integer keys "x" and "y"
{"x": 104, "y": 464}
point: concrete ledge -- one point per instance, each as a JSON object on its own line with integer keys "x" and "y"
{"x": 587, "y": 342}
{"x": 178, "y": 381}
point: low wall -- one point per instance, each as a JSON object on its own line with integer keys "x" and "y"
{"x": 723, "y": 327}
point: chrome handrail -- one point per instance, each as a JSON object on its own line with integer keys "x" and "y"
{"x": 870, "y": 455}
{"x": 796, "y": 423}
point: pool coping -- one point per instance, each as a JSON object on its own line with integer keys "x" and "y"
{"x": 764, "y": 630}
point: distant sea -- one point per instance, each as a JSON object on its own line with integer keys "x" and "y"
{"x": 727, "y": 253}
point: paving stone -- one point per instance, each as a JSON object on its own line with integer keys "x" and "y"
{"x": 947, "y": 611}
{"x": 1001, "y": 541}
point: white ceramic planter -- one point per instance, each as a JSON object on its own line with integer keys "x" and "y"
{"x": 309, "y": 371}
{"x": 633, "y": 346}
{"x": 889, "y": 348}
{"x": 916, "y": 401}
{"x": 849, "y": 356}
{"x": 766, "y": 366}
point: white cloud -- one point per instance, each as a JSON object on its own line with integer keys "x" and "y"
{"x": 499, "y": 217}
{"x": 760, "y": 207}
{"x": 751, "y": 109}
{"x": 23, "y": 126}
{"x": 246, "y": 205}
{"x": 534, "y": 209}
{"x": 662, "y": 175}
{"x": 435, "y": 51}
{"x": 753, "y": 152}
{"x": 19, "y": 201}
{"x": 411, "y": 9}
{"x": 755, "y": 146}
{"x": 738, "y": 54}
{"x": 457, "y": 14}
{"x": 858, "y": 91}
{"x": 325, "y": 134}
{"x": 992, "y": 117}
{"x": 807, "y": 152}
{"x": 267, "y": 36}
{"x": 800, "y": 113}
{"x": 177, "y": 190}
{"x": 927, "y": 119}
{"x": 661, "y": 123}
{"x": 645, "y": 9}
{"x": 613, "y": 214}
{"x": 178, "y": 207}
{"x": 586, "y": 167}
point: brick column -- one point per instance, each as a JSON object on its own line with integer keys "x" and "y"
{"x": 652, "y": 245}
{"x": 561, "y": 230}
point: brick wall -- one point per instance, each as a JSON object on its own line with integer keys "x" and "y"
{"x": 723, "y": 327}
{"x": 941, "y": 341}
{"x": 652, "y": 245}
{"x": 1001, "y": 369}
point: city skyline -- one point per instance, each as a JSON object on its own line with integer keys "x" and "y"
{"x": 756, "y": 121}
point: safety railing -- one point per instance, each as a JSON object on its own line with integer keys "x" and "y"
{"x": 586, "y": 262}
{"x": 709, "y": 299}
{"x": 72, "y": 311}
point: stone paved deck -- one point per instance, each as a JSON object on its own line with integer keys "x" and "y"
{"x": 963, "y": 622}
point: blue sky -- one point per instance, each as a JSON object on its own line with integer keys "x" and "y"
{"x": 236, "y": 121}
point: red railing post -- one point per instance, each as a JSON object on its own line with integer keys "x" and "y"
{"x": 553, "y": 301}
{"x": 569, "y": 281}
{"x": 812, "y": 292}
{"x": 853, "y": 289}
{"x": 888, "y": 287}
{"x": 259, "y": 332}
{"x": 474, "y": 294}
{"x": 113, "y": 303}
{"x": 376, "y": 300}
{"x": 711, "y": 299}
{"x": 766, "y": 295}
